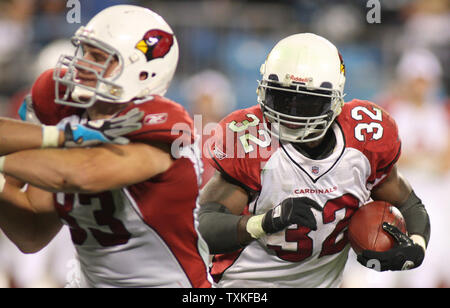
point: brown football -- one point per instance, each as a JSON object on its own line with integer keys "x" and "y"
{"x": 365, "y": 230}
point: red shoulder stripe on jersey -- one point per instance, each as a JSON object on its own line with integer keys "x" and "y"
{"x": 385, "y": 170}
{"x": 392, "y": 163}
{"x": 367, "y": 118}
{"x": 250, "y": 191}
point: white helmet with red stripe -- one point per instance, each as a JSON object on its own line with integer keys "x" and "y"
{"x": 301, "y": 91}
{"x": 141, "y": 41}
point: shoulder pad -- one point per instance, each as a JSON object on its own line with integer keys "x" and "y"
{"x": 371, "y": 130}
{"x": 240, "y": 146}
{"x": 164, "y": 121}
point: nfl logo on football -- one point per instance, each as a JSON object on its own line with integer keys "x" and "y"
{"x": 315, "y": 169}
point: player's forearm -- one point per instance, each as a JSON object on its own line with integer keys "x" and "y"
{"x": 87, "y": 170}
{"x": 223, "y": 231}
{"x": 18, "y": 136}
{"x": 220, "y": 221}
{"x": 53, "y": 170}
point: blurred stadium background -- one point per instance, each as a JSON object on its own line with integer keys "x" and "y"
{"x": 401, "y": 63}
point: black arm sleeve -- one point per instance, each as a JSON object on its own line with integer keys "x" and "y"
{"x": 416, "y": 217}
{"x": 219, "y": 228}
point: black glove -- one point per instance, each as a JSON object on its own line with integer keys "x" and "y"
{"x": 404, "y": 256}
{"x": 291, "y": 211}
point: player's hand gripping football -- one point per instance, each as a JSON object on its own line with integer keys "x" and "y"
{"x": 291, "y": 211}
{"x": 103, "y": 131}
{"x": 405, "y": 255}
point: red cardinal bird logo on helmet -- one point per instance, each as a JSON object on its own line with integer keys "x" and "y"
{"x": 155, "y": 44}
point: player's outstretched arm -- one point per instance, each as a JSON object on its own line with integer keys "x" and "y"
{"x": 410, "y": 249}
{"x": 27, "y": 218}
{"x": 19, "y": 136}
{"x": 88, "y": 170}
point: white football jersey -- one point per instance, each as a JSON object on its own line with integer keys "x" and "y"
{"x": 367, "y": 146}
{"x": 144, "y": 235}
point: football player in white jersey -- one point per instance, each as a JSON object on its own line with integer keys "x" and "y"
{"x": 131, "y": 223}
{"x": 293, "y": 169}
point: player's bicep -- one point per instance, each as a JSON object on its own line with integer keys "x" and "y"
{"x": 395, "y": 189}
{"x": 219, "y": 190}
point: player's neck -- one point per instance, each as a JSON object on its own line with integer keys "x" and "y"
{"x": 103, "y": 110}
{"x": 320, "y": 149}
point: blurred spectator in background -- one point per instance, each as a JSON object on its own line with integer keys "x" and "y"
{"x": 51, "y": 22}
{"x": 420, "y": 112}
{"x": 427, "y": 27}
{"x": 424, "y": 129}
{"x": 210, "y": 97}
{"x": 45, "y": 60}
{"x": 16, "y": 36}
{"x": 417, "y": 100}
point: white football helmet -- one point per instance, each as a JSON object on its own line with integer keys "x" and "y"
{"x": 144, "y": 45}
{"x": 301, "y": 91}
